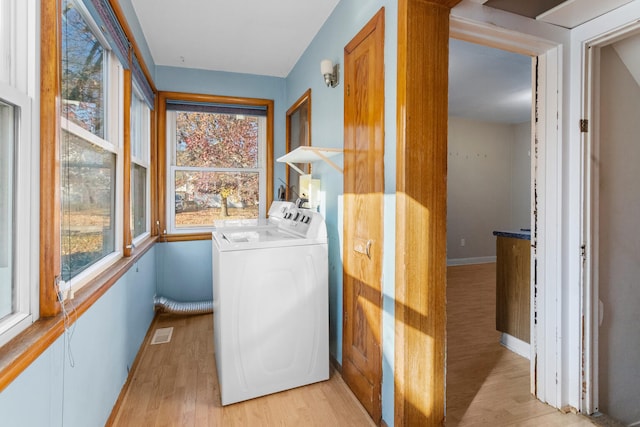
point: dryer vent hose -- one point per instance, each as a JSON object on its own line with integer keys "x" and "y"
{"x": 165, "y": 305}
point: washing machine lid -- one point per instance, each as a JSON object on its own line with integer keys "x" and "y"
{"x": 240, "y": 222}
{"x": 245, "y": 238}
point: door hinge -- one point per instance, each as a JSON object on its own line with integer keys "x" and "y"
{"x": 583, "y": 251}
{"x": 584, "y": 125}
{"x": 348, "y": 90}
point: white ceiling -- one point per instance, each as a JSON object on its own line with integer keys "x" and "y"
{"x": 243, "y": 36}
{"x": 267, "y": 37}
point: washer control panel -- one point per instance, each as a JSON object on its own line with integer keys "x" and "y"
{"x": 303, "y": 221}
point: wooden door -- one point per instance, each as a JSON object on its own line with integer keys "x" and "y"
{"x": 363, "y": 207}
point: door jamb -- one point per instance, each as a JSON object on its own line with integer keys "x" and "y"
{"x": 546, "y": 203}
{"x": 590, "y": 147}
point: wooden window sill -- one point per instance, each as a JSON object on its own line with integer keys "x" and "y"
{"x": 185, "y": 237}
{"x": 20, "y": 352}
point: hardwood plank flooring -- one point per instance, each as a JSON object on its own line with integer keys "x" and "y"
{"x": 486, "y": 383}
{"x": 176, "y": 384}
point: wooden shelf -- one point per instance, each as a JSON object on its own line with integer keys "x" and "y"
{"x": 309, "y": 155}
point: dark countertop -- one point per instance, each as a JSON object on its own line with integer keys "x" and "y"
{"x": 524, "y": 234}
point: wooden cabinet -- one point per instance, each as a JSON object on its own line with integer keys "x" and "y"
{"x": 513, "y": 289}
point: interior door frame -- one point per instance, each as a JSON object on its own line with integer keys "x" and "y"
{"x": 292, "y": 142}
{"x": 590, "y": 148}
{"x": 546, "y": 198}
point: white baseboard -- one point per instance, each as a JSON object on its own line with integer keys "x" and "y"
{"x": 517, "y": 346}
{"x": 468, "y": 261}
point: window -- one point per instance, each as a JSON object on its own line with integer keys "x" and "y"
{"x": 90, "y": 148}
{"x": 7, "y": 196}
{"x": 18, "y": 171}
{"x": 217, "y": 163}
{"x": 140, "y": 140}
{"x": 83, "y": 69}
{"x": 16, "y": 311}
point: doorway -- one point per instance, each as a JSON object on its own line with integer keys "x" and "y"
{"x": 546, "y": 224}
{"x": 488, "y": 190}
{"x": 611, "y": 233}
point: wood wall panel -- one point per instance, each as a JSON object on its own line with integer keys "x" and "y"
{"x": 421, "y": 211}
{"x": 513, "y": 287}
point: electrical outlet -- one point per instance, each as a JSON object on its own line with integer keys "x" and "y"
{"x": 462, "y": 242}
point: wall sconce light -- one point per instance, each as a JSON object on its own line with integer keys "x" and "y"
{"x": 329, "y": 72}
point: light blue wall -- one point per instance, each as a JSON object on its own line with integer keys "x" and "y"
{"x": 233, "y": 84}
{"x": 76, "y": 381}
{"x": 327, "y": 130}
{"x": 184, "y": 270}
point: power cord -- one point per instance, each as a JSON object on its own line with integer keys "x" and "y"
{"x": 69, "y": 328}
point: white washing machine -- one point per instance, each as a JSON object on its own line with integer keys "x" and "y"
{"x": 270, "y": 293}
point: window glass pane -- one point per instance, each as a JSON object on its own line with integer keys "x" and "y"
{"x": 139, "y": 154}
{"x": 88, "y": 204}
{"x": 83, "y": 72}
{"x": 137, "y": 128}
{"x": 216, "y": 140}
{"x": 7, "y": 126}
{"x": 139, "y": 200}
{"x": 203, "y": 197}
{"x": 5, "y": 41}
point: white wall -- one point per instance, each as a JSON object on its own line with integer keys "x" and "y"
{"x": 619, "y": 18}
{"x": 521, "y": 176}
{"x": 619, "y": 234}
{"x": 488, "y": 185}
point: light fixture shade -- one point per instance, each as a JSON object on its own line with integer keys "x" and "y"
{"x": 326, "y": 66}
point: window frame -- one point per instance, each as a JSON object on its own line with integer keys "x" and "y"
{"x": 143, "y": 161}
{"x": 173, "y": 169}
{"x": 18, "y": 89}
{"x": 113, "y": 142}
{"x": 23, "y": 259}
{"x": 166, "y": 168}
{"x": 39, "y": 42}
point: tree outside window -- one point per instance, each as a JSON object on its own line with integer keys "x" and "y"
{"x": 217, "y": 166}
{"x": 88, "y": 156}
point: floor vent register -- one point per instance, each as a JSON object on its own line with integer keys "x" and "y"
{"x": 162, "y": 336}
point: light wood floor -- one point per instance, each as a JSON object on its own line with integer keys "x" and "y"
{"x": 486, "y": 383}
{"x": 176, "y": 384}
